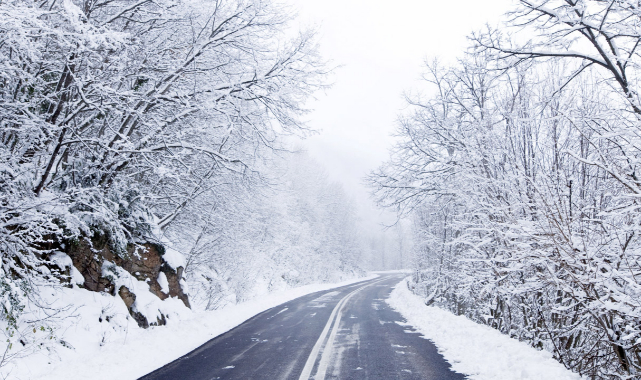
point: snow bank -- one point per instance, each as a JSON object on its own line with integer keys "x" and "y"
{"x": 476, "y": 350}
{"x": 122, "y": 350}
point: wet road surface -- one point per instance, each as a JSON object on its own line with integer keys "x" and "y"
{"x": 343, "y": 333}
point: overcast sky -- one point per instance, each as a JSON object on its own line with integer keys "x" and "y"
{"x": 381, "y": 46}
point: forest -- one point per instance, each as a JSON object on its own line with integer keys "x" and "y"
{"x": 147, "y": 151}
{"x": 518, "y": 167}
{"x": 150, "y": 161}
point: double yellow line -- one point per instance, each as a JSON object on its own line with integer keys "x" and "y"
{"x": 333, "y": 323}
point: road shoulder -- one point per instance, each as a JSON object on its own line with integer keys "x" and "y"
{"x": 478, "y": 351}
{"x": 141, "y": 351}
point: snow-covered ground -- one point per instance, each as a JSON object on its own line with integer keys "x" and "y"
{"x": 121, "y": 350}
{"x": 473, "y": 349}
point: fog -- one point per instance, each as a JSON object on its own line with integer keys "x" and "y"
{"x": 379, "y": 49}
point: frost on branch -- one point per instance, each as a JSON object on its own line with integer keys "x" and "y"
{"x": 520, "y": 168}
{"x": 116, "y": 117}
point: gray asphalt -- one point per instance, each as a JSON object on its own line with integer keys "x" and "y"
{"x": 371, "y": 341}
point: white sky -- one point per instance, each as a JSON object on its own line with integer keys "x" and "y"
{"x": 381, "y": 46}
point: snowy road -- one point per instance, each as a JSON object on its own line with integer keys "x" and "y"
{"x": 343, "y": 333}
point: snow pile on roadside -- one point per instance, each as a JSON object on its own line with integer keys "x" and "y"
{"x": 476, "y": 350}
{"x": 122, "y": 350}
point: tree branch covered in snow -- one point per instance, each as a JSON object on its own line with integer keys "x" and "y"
{"x": 519, "y": 169}
{"x": 120, "y": 119}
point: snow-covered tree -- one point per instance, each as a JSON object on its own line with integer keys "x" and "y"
{"x": 243, "y": 241}
{"x": 117, "y": 116}
{"x": 519, "y": 170}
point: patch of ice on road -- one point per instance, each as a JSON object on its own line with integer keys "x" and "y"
{"x": 349, "y": 339}
{"x": 406, "y": 370}
{"x": 473, "y": 349}
{"x": 321, "y": 301}
{"x": 282, "y": 311}
{"x": 359, "y": 368}
{"x": 326, "y": 297}
{"x": 229, "y": 367}
{"x": 398, "y": 346}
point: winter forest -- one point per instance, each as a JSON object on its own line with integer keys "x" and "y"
{"x": 162, "y": 127}
{"x": 519, "y": 171}
{"x": 150, "y": 167}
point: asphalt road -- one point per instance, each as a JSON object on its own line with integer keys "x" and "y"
{"x": 343, "y": 333}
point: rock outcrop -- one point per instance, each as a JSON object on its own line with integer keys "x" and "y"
{"x": 145, "y": 263}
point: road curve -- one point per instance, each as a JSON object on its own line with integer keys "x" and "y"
{"x": 344, "y": 333}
